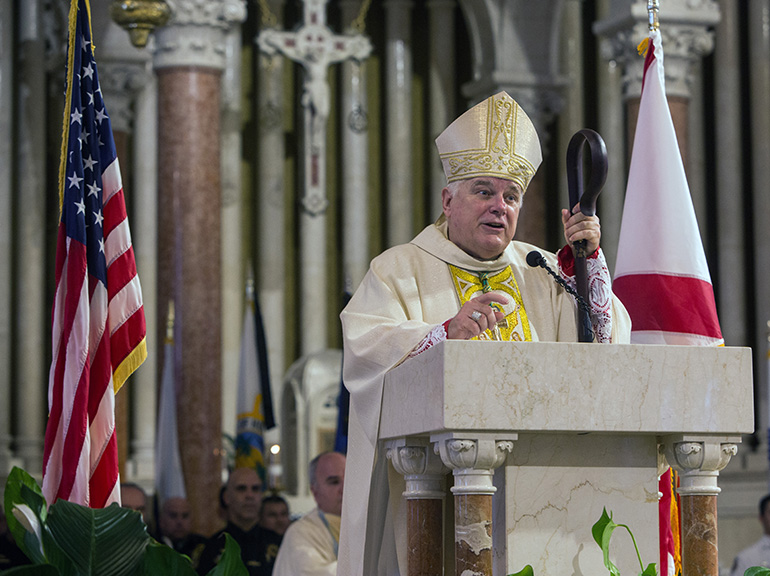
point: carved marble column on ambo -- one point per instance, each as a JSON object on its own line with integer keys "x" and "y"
{"x": 472, "y": 460}
{"x": 417, "y": 462}
{"x": 698, "y": 461}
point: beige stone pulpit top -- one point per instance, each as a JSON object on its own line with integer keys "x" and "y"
{"x": 570, "y": 387}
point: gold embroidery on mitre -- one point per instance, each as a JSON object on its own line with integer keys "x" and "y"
{"x": 494, "y": 138}
{"x": 468, "y": 286}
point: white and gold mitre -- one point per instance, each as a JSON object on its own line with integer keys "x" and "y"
{"x": 494, "y": 138}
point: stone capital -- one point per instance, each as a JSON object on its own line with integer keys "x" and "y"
{"x": 417, "y": 461}
{"x": 120, "y": 81}
{"x": 473, "y": 459}
{"x": 196, "y": 33}
{"x": 698, "y": 461}
{"x": 686, "y": 31}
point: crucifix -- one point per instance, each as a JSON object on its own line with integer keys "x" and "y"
{"x": 316, "y": 47}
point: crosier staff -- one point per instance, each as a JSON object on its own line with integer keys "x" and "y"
{"x": 586, "y": 199}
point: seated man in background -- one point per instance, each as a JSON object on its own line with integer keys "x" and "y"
{"x": 274, "y": 514}
{"x": 134, "y": 497}
{"x": 758, "y": 554}
{"x": 242, "y": 499}
{"x": 310, "y": 544}
{"x": 175, "y": 526}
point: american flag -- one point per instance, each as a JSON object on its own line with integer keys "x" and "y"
{"x": 98, "y": 327}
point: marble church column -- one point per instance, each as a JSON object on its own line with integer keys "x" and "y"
{"x": 144, "y": 226}
{"x": 609, "y": 91}
{"x": 571, "y": 117}
{"x": 729, "y": 176}
{"x": 189, "y": 60}
{"x": 6, "y": 173}
{"x": 271, "y": 207}
{"x": 441, "y": 14}
{"x": 355, "y": 181}
{"x": 29, "y": 311}
{"x": 398, "y": 130}
{"x": 233, "y": 210}
{"x": 759, "y": 83}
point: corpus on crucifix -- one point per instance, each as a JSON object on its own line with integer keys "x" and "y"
{"x": 315, "y": 46}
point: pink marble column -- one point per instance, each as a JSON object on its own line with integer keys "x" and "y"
{"x": 423, "y": 473}
{"x": 473, "y": 459}
{"x": 189, "y": 271}
{"x": 700, "y": 552}
{"x": 189, "y": 61}
{"x": 698, "y": 461}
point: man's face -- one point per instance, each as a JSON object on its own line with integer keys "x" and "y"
{"x": 482, "y": 215}
{"x": 133, "y": 498}
{"x": 274, "y": 516}
{"x": 243, "y": 497}
{"x": 329, "y": 479}
{"x": 175, "y": 519}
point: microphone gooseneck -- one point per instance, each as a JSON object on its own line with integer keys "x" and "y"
{"x": 535, "y": 259}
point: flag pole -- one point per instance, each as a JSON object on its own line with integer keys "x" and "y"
{"x": 170, "y": 323}
{"x": 768, "y": 391}
{"x": 653, "y": 7}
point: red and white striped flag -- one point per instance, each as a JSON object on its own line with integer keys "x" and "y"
{"x": 98, "y": 327}
{"x": 661, "y": 273}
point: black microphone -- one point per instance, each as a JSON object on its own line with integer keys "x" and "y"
{"x": 535, "y": 259}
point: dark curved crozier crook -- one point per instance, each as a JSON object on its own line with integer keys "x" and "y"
{"x": 587, "y": 198}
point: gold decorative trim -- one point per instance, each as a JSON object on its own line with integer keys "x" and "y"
{"x": 467, "y": 285}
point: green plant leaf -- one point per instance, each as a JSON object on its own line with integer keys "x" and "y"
{"x": 107, "y": 541}
{"x": 32, "y": 570}
{"x": 526, "y": 571}
{"x": 606, "y": 536}
{"x": 160, "y": 560}
{"x": 56, "y": 556}
{"x": 598, "y": 529}
{"x": 757, "y": 571}
{"x": 230, "y": 564}
{"x": 650, "y": 570}
{"x": 602, "y": 533}
{"x": 21, "y": 488}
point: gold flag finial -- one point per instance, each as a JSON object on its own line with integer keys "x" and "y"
{"x": 140, "y": 17}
